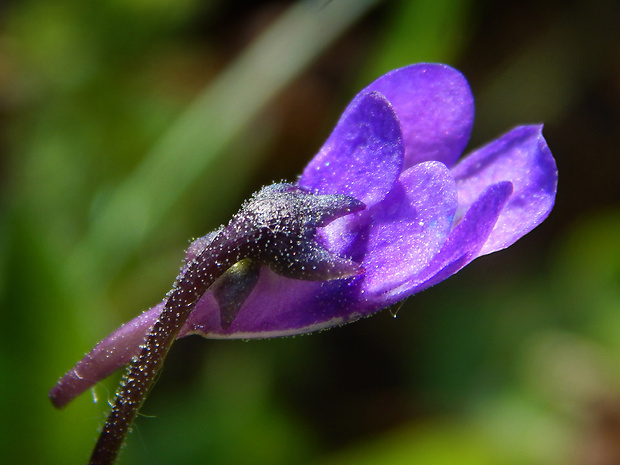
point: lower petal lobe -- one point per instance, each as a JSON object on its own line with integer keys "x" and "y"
{"x": 407, "y": 230}
{"x": 466, "y": 239}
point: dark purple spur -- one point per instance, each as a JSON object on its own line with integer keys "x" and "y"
{"x": 383, "y": 211}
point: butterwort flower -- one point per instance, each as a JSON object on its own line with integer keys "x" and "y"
{"x": 383, "y": 211}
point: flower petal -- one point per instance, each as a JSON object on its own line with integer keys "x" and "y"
{"x": 407, "y": 229}
{"x": 465, "y": 240}
{"x": 522, "y": 157}
{"x": 435, "y": 107}
{"x": 362, "y": 157}
{"x": 277, "y": 306}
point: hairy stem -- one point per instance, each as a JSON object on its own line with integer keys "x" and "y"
{"x": 143, "y": 370}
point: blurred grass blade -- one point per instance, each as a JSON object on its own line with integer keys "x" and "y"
{"x": 218, "y": 116}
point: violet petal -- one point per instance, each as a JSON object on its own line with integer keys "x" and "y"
{"x": 465, "y": 240}
{"x": 435, "y": 107}
{"x": 407, "y": 229}
{"x": 522, "y": 157}
{"x": 277, "y": 306}
{"x": 362, "y": 157}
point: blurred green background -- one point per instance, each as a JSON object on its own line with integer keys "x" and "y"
{"x": 128, "y": 127}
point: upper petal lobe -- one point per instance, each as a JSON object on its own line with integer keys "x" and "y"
{"x": 362, "y": 157}
{"x": 435, "y": 107}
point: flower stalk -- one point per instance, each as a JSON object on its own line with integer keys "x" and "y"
{"x": 277, "y": 227}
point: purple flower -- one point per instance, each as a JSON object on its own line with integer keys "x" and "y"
{"x": 395, "y": 149}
